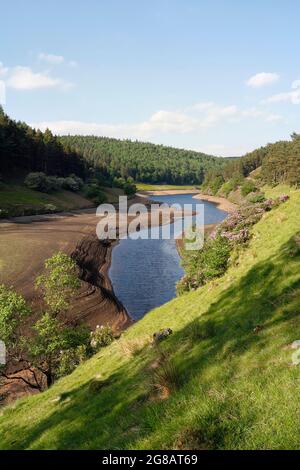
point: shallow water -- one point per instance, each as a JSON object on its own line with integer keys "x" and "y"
{"x": 144, "y": 272}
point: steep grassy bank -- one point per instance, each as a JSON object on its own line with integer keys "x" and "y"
{"x": 18, "y": 200}
{"x": 223, "y": 379}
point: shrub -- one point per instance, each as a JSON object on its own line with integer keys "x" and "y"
{"x": 248, "y": 187}
{"x": 95, "y": 194}
{"x": 205, "y": 264}
{"x": 254, "y": 198}
{"x": 127, "y": 185}
{"x": 230, "y": 185}
{"x": 49, "y": 208}
{"x": 71, "y": 184}
{"x": 216, "y": 184}
{"x": 166, "y": 377}
{"x": 70, "y": 359}
{"x": 4, "y": 213}
{"x": 102, "y": 336}
{"x": 37, "y": 181}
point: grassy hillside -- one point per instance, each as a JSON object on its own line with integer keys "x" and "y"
{"x": 17, "y": 200}
{"x": 223, "y": 379}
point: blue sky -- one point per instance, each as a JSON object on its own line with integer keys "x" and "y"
{"x": 220, "y": 76}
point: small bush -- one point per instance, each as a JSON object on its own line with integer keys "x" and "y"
{"x": 95, "y": 194}
{"x": 4, "y": 213}
{"x": 72, "y": 183}
{"x": 37, "y": 181}
{"x": 201, "y": 266}
{"x": 102, "y": 336}
{"x": 255, "y": 198}
{"x": 230, "y": 185}
{"x": 166, "y": 377}
{"x": 248, "y": 187}
{"x": 70, "y": 359}
{"x": 49, "y": 208}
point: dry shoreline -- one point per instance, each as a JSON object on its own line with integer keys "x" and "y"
{"x": 221, "y": 202}
{"x": 74, "y": 233}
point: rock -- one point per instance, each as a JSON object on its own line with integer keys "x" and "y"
{"x": 162, "y": 334}
{"x": 257, "y": 329}
{"x": 295, "y": 344}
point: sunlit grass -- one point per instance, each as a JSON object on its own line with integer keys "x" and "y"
{"x": 230, "y": 383}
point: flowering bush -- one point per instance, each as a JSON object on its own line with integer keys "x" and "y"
{"x": 284, "y": 197}
{"x": 213, "y": 259}
{"x": 102, "y": 336}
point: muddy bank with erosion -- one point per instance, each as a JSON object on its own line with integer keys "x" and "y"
{"x": 25, "y": 244}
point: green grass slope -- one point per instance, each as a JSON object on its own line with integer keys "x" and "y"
{"x": 17, "y": 200}
{"x": 223, "y": 379}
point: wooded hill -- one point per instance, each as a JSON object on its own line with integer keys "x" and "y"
{"x": 24, "y": 150}
{"x": 143, "y": 161}
{"x": 277, "y": 163}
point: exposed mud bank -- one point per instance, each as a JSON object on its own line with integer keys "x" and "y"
{"x": 93, "y": 258}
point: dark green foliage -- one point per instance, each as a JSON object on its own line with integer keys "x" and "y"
{"x": 248, "y": 187}
{"x": 23, "y": 149}
{"x": 282, "y": 163}
{"x": 126, "y": 184}
{"x": 255, "y": 198}
{"x": 145, "y": 162}
{"x": 205, "y": 264}
{"x": 279, "y": 162}
{"x": 46, "y": 184}
{"x": 230, "y": 185}
{"x": 212, "y": 260}
{"x": 95, "y": 194}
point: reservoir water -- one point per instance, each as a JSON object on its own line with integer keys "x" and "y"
{"x": 143, "y": 272}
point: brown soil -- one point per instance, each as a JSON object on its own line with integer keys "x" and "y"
{"x": 26, "y": 242}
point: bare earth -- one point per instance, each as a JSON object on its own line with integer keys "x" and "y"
{"x": 25, "y": 244}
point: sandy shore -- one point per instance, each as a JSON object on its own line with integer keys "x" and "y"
{"x": 222, "y": 203}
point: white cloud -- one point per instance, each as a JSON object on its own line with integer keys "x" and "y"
{"x": 262, "y": 79}
{"x": 289, "y": 96}
{"x": 23, "y": 78}
{"x": 51, "y": 58}
{"x": 195, "y": 118}
{"x": 3, "y": 70}
{"x": 180, "y": 122}
{"x": 255, "y": 112}
{"x": 296, "y": 84}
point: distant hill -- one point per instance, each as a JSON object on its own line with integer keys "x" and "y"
{"x": 143, "y": 161}
{"x": 278, "y": 163}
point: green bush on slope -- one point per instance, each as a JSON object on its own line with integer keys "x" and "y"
{"x": 236, "y": 387}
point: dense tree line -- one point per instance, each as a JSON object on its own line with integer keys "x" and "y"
{"x": 143, "y": 161}
{"x": 279, "y": 163}
{"x": 28, "y": 150}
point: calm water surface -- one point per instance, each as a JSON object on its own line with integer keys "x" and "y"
{"x": 144, "y": 272}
